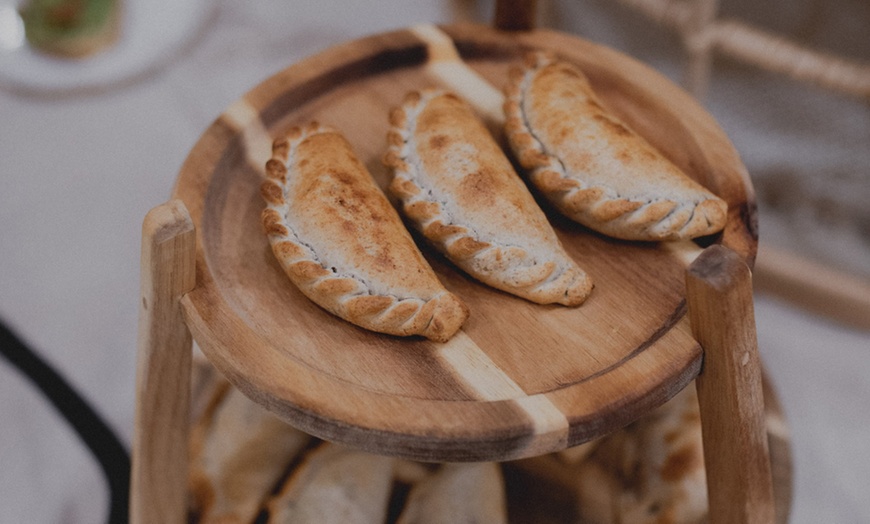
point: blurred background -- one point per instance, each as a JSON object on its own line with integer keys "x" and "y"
{"x": 89, "y": 145}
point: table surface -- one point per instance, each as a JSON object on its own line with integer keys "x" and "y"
{"x": 80, "y": 171}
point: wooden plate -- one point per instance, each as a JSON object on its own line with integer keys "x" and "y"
{"x": 520, "y": 379}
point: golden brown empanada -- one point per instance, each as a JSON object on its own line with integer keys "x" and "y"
{"x": 342, "y": 243}
{"x": 652, "y": 471}
{"x": 468, "y": 492}
{"x": 595, "y": 169}
{"x": 335, "y": 485}
{"x": 238, "y": 453}
{"x": 460, "y": 191}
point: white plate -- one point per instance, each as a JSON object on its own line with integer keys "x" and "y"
{"x": 152, "y": 32}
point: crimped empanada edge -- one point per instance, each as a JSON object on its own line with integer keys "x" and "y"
{"x": 597, "y": 207}
{"x": 346, "y": 296}
{"x": 543, "y": 283}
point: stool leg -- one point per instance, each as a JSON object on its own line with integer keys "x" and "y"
{"x": 159, "y": 469}
{"x": 719, "y": 295}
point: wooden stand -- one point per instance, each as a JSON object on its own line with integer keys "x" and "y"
{"x": 520, "y": 379}
{"x": 719, "y": 306}
{"x": 719, "y": 294}
{"x": 160, "y": 442}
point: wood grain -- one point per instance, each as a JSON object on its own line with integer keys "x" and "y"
{"x": 521, "y": 379}
{"x": 159, "y": 469}
{"x": 736, "y": 455}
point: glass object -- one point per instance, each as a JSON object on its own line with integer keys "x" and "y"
{"x": 82, "y": 46}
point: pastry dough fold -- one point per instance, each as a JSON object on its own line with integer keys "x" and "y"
{"x": 458, "y": 188}
{"x": 344, "y": 246}
{"x": 593, "y": 167}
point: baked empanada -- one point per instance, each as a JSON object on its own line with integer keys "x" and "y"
{"x": 342, "y": 243}
{"x": 239, "y": 451}
{"x": 335, "y": 484}
{"x": 466, "y": 492}
{"x": 461, "y": 192}
{"x": 595, "y": 169}
{"x": 655, "y": 468}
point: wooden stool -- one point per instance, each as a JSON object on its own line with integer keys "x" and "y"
{"x": 520, "y": 379}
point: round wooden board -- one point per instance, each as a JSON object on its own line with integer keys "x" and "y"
{"x": 520, "y": 379}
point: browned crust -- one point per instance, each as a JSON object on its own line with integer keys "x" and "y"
{"x": 200, "y": 485}
{"x": 231, "y": 468}
{"x": 635, "y": 194}
{"x": 335, "y": 484}
{"x": 655, "y": 468}
{"x": 468, "y": 186}
{"x": 313, "y": 178}
{"x": 465, "y": 492}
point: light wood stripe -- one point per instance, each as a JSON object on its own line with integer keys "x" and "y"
{"x": 685, "y": 251}
{"x": 547, "y": 419}
{"x": 447, "y": 67}
{"x": 439, "y": 44}
{"x": 256, "y": 141}
{"x": 466, "y": 360}
{"x": 777, "y": 426}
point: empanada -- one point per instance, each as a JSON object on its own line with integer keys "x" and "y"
{"x": 335, "y": 485}
{"x": 238, "y": 453}
{"x": 458, "y": 492}
{"x": 593, "y": 167}
{"x": 461, "y": 192}
{"x": 655, "y": 468}
{"x": 342, "y": 243}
